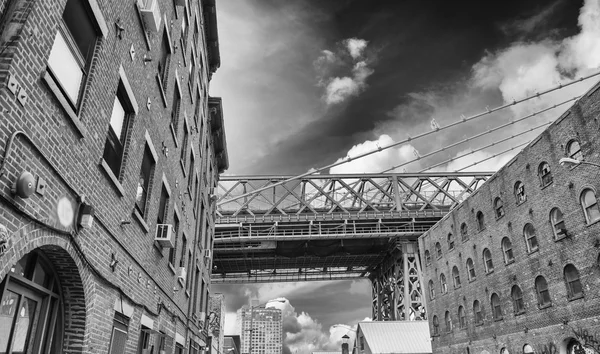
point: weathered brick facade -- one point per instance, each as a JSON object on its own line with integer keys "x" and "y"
{"x": 114, "y": 270}
{"x": 572, "y": 310}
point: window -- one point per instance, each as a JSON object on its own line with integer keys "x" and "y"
{"x": 173, "y": 250}
{"x": 558, "y": 224}
{"x": 431, "y": 290}
{"x": 362, "y": 343}
{"x": 184, "y": 145}
{"x": 527, "y": 349}
{"x": 443, "y": 284}
{"x": 520, "y": 192}
{"x": 496, "y": 307}
{"x": 477, "y": 312}
{"x": 163, "y": 206}
{"x": 499, "y": 208}
{"x": 183, "y": 258}
{"x": 507, "y": 251}
{"x": 191, "y": 174}
{"x": 589, "y": 203}
{"x": 119, "y": 334}
{"x": 184, "y": 32}
{"x": 543, "y": 295}
{"x": 462, "y": 317}
{"x": 517, "y": 299}
{"x": 146, "y": 174}
{"x": 480, "y": 221}
{"x": 436, "y": 325}
{"x": 144, "y": 340}
{"x": 470, "y": 269}
{"x": 464, "y": 232}
{"x": 574, "y": 150}
{"x": 450, "y": 241}
{"x": 574, "y": 288}
{"x": 118, "y": 131}
{"x": 175, "y": 109}
{"x": 530, "y": 238}
{"x": 545, "y": 174}
{"x": 448, "y": 321}
{"x": 427, "y": 257}
{"x": 456, "y": 277}
{"x": 438, "y": 250}
{"x": 487, "y": 261}
{"x": 164, "y": 59}
{"x": 73, "y": 49}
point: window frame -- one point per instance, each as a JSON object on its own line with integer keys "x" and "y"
{"x": 545, "y": 174}
{"x": 574, "y": 154}
{"x": 489, "y": 268}
{"x": 436, "y": 325}
{"x": 496, "y": 307}
{"x": 477, "y": 313}
{"x": 586, "y": 207}
{"x": 519, "y": 192}
{"x": 450, "y": 239}
{"x": 148, "y": 147}
{"x": 571, "y": 295}
{"x": 427, "y": 258}
{"x": 438, "y": 250}
{"x": 464, "y": 232}
{"x": 555, "y": 224}
{"x": 471, "y": 275}
{"x": 529, "y": 233}
{"x": 456, "y": 277}
{"x": 448, "y": 322}
{"x": 516, "y": 295}
{"x": 541, "y": 299}
{"x": 480, "y": 221}
{"x": 506, "y": 245}
{"x": 498, "y": 208}
{"x": 443, "y": 284}
{"x": 431, "y": 286}
{"x": 462, "y": 317}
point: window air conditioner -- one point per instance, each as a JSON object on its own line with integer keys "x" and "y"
{"x": 164, "y": 235}
{"x": 181, "y": 273}
{"x": 150, "y": 14}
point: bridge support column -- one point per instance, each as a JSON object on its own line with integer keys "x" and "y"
{"x": 397, "y": 287}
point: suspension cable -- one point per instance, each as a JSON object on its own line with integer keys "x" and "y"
{"x": 404, "y": 141}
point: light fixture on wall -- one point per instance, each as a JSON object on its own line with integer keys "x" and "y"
{"x": 86, "y": 215}
{"x": 24, "y": 186}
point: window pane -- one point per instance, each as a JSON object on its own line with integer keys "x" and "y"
{"x": 589, "y": 198}
{"x": 80, "y": 27}
{"x": 66, "y": 68}
{"x": 8, "y": 309}
{"x": 25, "y": 321}
{"x": 593, "y": 213}
{"x": 533, "y": 243}
{"x": 117, "y": 118}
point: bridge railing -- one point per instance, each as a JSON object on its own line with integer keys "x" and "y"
{"x": 262, "y": 196}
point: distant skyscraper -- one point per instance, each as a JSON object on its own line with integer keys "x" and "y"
{"x": 261, "y": 330}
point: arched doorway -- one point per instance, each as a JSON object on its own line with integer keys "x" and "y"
{"x": 31, "y": 307}
{"x": 574, "y": 347}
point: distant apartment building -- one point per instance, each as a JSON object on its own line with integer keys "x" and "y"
{"x": 216, "y": 332}
{"x": 261, "y": 330}
{"x": 110, "y": 152}
{"x": 515, "y": 268}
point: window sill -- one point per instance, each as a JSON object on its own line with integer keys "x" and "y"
{"x": 541, "y": 307}
{"x": 457, "y": 287}
{"x": 174, "y": 135}
{"x": 498, "y": 319}
{"x": 509, "y": 262}
{"x": 465, "y": 240}
{"x": 140, "y": 220}
{"x": 576, "y": 297}
{"x": 478, "y": 324}
{"x": 557, "y": 239}
{"x": 519, "y": 313}
{"x": 187, "y": 293}
{"x": 62, "y": 100}
{"x": 499, "y": 217}
{"x": 181, "y": 283}
{"x": 522, "y": 201}
{"x": 112, "y": 177}
{"x": 158, "y": 248}
{"x": 161, "y": 89}
{"x": 489, "y": 272}
{"x": 533, "y": 251}
{"x": 450, "y": 249}
{"x": 592, "y": 223}
{"x": 542, "y": 187}
{"x": 472, "y": 280}
{"x": 171, "y": 268}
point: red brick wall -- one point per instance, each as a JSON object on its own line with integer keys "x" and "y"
{"x": 537, "y": 327}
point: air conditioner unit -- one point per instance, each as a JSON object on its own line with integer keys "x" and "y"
{"x": 150, "y": 14}
{"x": 164, "y": 235}
{"x": 208, "y": 254}
{"x": 181, "y": 273}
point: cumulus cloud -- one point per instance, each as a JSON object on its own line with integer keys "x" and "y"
{"x": 343, "y": 73}
{"x": 500, "y": 77}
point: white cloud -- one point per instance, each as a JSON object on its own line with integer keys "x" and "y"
{"x": 355, "y": 46}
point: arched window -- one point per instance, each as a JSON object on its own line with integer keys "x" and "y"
{"x": 436, "y": 325}
{"x": 527, "y": 349}
{"x": 462, "y": 317}
{"x": 530, "y": 238}
{"x": 545, "y": 174}
{"x": 574, "y": 288}
{"x": 450, "y": 241}
{"x": 431, "y": 290}
{"x": 558, "y": 223}
{"x": 480, "y": 221}
{"x": 443, "y": 284}
{"x": 504, "y": 351}
{"x": 499, "y": 208}
{"x": 30, "y": 307}
{"x": 438, "y": 250}
{"x": 448, "y": 321}
{"x": 487, "y": 260}
{"x": 477, "y": 312}
{"x": 507, "y": 251}
{"x": 543, "y": 295}
{"x": 589, "y": 203}
{"x": 456, "y": 277}
{"x": 496, "y": 307}
{"x": 517, "y": 299}
{"x": 574, "y": 150}
{"x": 464, "y": 232}
{"x": 520, "y": 192}
{"x": 427, "y": 257}
{"x": 470, "y": 269}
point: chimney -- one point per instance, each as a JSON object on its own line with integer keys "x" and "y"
{"x": 345, "y": 344}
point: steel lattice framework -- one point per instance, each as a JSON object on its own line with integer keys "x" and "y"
{"x": 329, "y": 227}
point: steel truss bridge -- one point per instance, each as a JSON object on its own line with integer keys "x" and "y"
{"x": 332, "y": 227}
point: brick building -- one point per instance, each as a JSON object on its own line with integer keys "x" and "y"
{"x": 515, "y": 268}
{"x": 216, "y": 329}
{"x": 110, "y": 150}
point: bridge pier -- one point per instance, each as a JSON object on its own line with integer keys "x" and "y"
{"x": 397, "y": 286}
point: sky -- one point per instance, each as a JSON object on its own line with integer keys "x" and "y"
{"x": 306, "y": 83}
